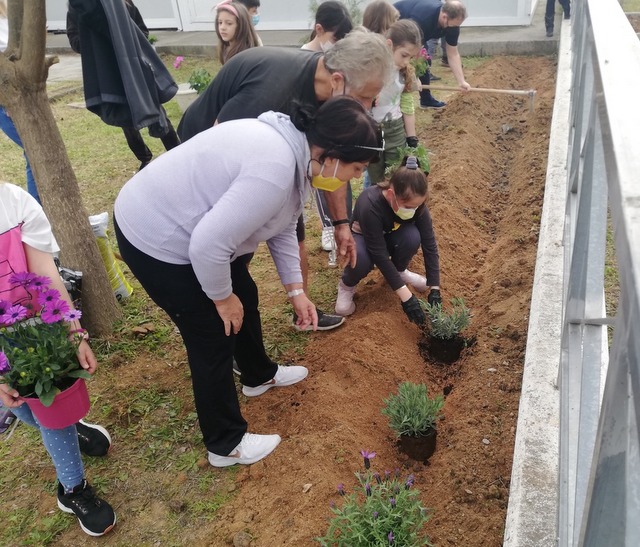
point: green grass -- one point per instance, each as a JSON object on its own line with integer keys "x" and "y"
{"x": 630, "y": 6}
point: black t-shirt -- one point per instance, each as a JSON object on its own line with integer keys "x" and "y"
{"x": 425, "y": 13}
{"x": 373, "y": 217}
{"x": 252, "y": 82}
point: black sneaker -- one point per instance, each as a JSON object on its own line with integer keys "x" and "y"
{"x": 434, "y": 78}
{"x": 326, "y": 321}
{"x": 94, "y": 440}
{"x": 432, "y": 103}
{"x": 95, "y": 515}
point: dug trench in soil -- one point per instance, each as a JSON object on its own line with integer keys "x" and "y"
{"x": 486, "y": 188}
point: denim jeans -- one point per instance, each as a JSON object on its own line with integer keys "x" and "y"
{"x": 7, "y": 126}
{"x": 62, "y": 445}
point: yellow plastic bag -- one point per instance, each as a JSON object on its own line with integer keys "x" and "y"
{"x": 121, "y": 287}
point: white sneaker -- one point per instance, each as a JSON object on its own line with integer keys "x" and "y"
{"x": 418, "y": 281}
{"x": 328, "y": 242}
{"x": 344, "y": 301}
{"x": 252, "y": 448}
{"x": 285, "y": 376}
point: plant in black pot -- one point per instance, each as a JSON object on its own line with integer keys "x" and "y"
{"x": 444, "y": 340}
{"x": 412, "y": 416}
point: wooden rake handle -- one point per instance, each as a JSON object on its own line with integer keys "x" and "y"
{"x": 531, "y": 93}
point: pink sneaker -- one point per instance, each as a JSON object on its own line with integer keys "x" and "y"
{"x": 344, "y": 301}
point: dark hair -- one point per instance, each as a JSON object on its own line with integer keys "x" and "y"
{"x": 250, "y": 3}
{"x": 409, "y": 181}
{"x": 404, "y": 32}
{"x": 378, "y": 16}
{"x": 334, "y": 17}
{"x": 343, "y": 128}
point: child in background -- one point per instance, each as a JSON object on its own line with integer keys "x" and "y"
{"x": 390, "y": 222}
{"x": 394, "y": 107}
{"x": 27, "y": 244}
{"x": 252, "y": 7}
{"x": 234, "y": 29}
{"x": 379, "y": 16}
{"x": 333, "y": 23}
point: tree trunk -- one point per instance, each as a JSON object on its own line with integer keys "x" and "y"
{"x": 23, "y": 94}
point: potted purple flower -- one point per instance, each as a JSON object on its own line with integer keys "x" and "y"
{"x": 38, "y": 352}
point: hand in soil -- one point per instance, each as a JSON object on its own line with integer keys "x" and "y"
{"x": 414, "y": 311}
{"x": 434, "y": 297}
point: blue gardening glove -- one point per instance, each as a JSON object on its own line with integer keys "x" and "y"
{"x": 412, "y": 142}
{"x": 414, "y": 311}
{"x": 434, "y": 297}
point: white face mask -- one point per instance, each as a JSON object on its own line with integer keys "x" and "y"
{"x": 326, "y": 46}
{"x": 405, "y": 213}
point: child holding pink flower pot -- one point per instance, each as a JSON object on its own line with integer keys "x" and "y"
{"x": 26, "y": 265}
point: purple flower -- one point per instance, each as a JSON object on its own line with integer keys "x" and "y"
{"x": 367, "y": 489}
{"x": 72, "y": 315}
{"x": 22, "y": 278}
{"x": 387, "y": 474}
{"x": 367, "y": 457}
{"x": 410, "y": 481}
{"x": 4, "y": 363}
{"x": 54, "y": 311}
{"x": 376, "y": 476}
{"x": 40, "y": 283}
{"x": 375, "y": 515}
{"x": 50, "y": 295}
{"x": 4, "y": 306}
{"x": 341, "y": 489}
{"x": 391, "y": 538}
{"x": 178, "y": 61}
{"x": 13, "y": 314}
{"x": 392, "y": 501}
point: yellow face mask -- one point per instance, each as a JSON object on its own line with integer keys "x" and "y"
{"x": 329, "y": 184}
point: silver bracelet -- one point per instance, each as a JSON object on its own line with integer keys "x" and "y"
{"x": 295, "y": 292}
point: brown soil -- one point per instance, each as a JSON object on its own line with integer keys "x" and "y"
{"x": 489, "y": 158}
{"x": 486, "y": 187}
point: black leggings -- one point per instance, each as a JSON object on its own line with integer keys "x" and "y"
{"x": 176, "y": 289}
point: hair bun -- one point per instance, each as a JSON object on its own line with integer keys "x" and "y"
{"x": 412, "y": 162}
{"x": 303, "y": 117}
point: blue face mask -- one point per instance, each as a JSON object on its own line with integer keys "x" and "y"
{"x": 255, "y": 19}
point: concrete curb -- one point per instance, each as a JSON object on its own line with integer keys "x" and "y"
{"x": 533, "y": 496}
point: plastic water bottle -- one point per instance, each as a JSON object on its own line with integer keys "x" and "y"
{"x": 333, "y": 253}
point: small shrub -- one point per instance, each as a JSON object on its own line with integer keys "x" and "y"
{"x": 384, "y": 510}
{"x": 152, "y": 38}
{"x": 412, "y": 412}
{"x": 447, "y": 325}
{"x": 199, "y": 80}
{"x": 419, "y": 152}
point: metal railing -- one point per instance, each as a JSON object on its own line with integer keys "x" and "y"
{"x": 599, "y": 463}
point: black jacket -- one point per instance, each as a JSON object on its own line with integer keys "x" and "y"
{"x": 125, "y": 82}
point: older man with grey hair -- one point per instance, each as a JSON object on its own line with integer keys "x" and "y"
{"x": 271, "y": 78}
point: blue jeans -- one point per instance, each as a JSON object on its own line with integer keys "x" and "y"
{"x": 6, "y": 124}
{"x": 62, "y": 445}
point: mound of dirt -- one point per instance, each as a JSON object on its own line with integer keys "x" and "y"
{"x": 486, "y": 187}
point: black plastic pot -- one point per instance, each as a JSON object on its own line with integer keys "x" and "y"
{"x": 445, "y": 351}
{"x": 419, "y": 448}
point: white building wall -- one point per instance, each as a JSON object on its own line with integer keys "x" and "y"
{"x": 193, "y": 15}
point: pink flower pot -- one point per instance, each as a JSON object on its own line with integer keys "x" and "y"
{"x": 68, "y": 407}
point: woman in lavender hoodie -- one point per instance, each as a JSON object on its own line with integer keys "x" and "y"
{"x": 184, "y": 223}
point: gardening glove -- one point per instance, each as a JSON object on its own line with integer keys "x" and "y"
{"x": 434, "y": 297}
{"x": 414, "y": 311}
{"x": 412, "y": 142}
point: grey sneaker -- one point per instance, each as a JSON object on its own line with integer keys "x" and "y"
{"x": 285, "y": 376}
{"x": 252, "y": 448}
